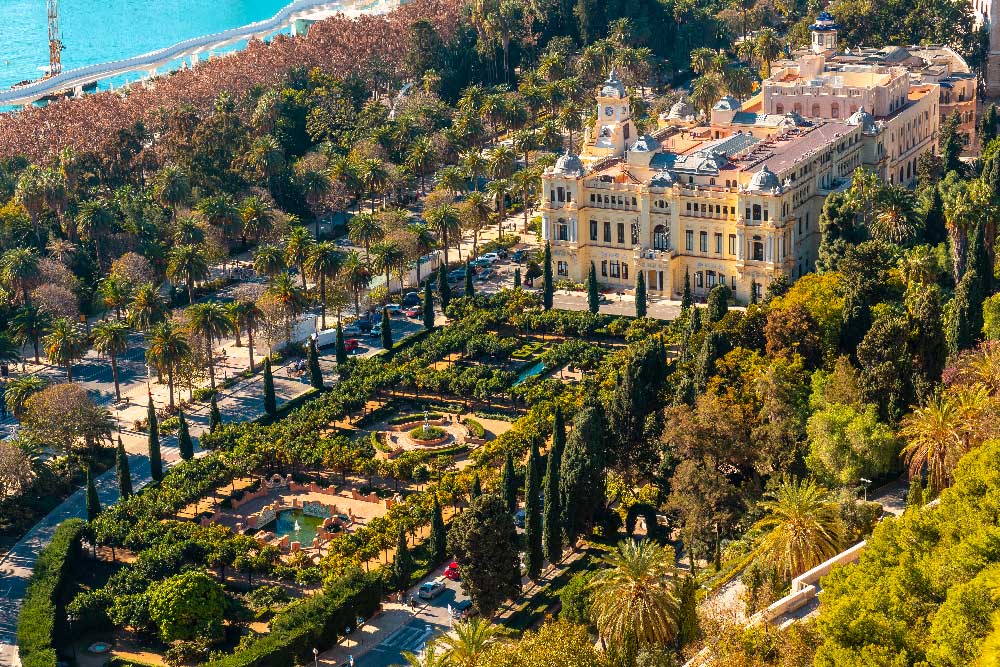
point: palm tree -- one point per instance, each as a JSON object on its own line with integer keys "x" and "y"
{"x": 168, "y": 347}
{"x": 315, "y": 185}
{"x": 172, "y": 188}
{"x": 373, "y": 175}
{"x": 388, "y": 257}
{"x": 115, "y": 293}
{"x": 498, "y": 190}
{"x": 30, "y": 191}
{"x": 502, "y": 162}
{"x": 571, "y": 119}
{"x": 423, "y": 242}
{"x": 147, "y": 308}
{"x": 420, "y": 158}
{"x": 364, "y": 230}
{"x": 188, "y": 232}
{"x": 445, "y": 221}
{"x": 20, "y": 389}
{"x": 298, "y": 244}
{"x": 268, "y": 260}
{"x": 94, "y": 220}
{"x": 467, "y": 642}
{"x": 323, "y": 263}
{"x": 705, "y": 90}
{"x": 475, "y": 213}
{"x": 525, "y": 182}
{"x": 111, "y": 338}
{"x": 934, "y": 434}
{"x": 474, "y": 165}
{"x": 29, "y": 325}
{"x": 356, "y": 275}
{"x": 895, "y": 219}
{"x": 188, "y": 263}
{"x": 19, "y": 271}
{"x": 292, "y": 300}
{"x": 246, "y": 315}
{"x": 64, "y": 344}
{"x": 453, "y": 179}
{"x": 257, "y": 218}
{"x": 222, "y": 212}
{"x": 802, "y": 527}
{"x": 634, "y": 594}
{"x": 523, "y": 142}
{"x": 428, "y": 658}
{"x": 265, "y": 158}
{"x": 767, "y": 47}
{"x": 212, "y": 321}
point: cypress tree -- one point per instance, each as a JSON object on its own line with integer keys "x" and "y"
{"x": 123, "y": 472}
{"x": 341, "y": 348}
{"x": 386, "y": 330}
{"x": 987, "y": 130}
{"x": 155, "y": 462}
{"x": 547, "y": 288}
{"x": 915, "y": 496}
{"x": 476, "y": 488}
{"x": 552, "y": 531}
{"x": 718, "y": 303}
{"x": 962, "y": 330}
{"x": 753, "y": 291}
{"x": 470, "y": 290}
{"x": 714, "y": 347}
{"x": 428, "y": 306}
{"x": 950, "y": 143}
{"x": 184, "y": 445}
{"x": 402, "y": 563}
{"x": 315, "y": 372}
{"x": 593, "y": 295}
{"x": 444, "y": 290}
{"x": 508, "y": 485}
{"x": 214, "y": 416}
{"x": 517, "y": 276}
{"x": 439, "y": 536}
{"x": 687, "y": 621}
{"x": 533, "y": 553}
{"x": 270, "y": 405}
{"x": 581, "y": 471}
{"x": 686, "y": 298}
{"x": 640, "y": 294}
{"x": 93, "y": 501}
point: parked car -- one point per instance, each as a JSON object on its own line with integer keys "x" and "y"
{"x": 519, "y": 518}
{"x": 351, "y": 344}
{"x": 452, "y": 572}
{"x": 518, "y": 255}
{"x": 364, "y": 324}
{"x": 376, "y": 331}
{"x": 463, "y": 610}
{"x": 456, "y": 275}
{"x": 485, "y": 275}
{"x": 395, "y": 310}
{"x": 411, "y": 299}
{"x": 343, "y": 241}
{"x": 491, "y": 257}
{"x": 479, "y": 263}
{"x": 414, "y": 311}
{"x": 431, "y": 589}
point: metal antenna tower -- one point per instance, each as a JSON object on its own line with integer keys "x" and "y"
{"x": 55, "y": 43}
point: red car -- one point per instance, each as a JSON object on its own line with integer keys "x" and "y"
{"x": 452, "y": 572}
{"x": 414, "y": 311}
{"x": 351, "y": 344}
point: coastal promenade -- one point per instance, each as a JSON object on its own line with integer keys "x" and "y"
{"x": 75, "y": 79}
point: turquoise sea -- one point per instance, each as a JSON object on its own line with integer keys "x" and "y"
{"x": 95, "y": 31}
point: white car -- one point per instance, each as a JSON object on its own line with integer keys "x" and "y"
{"x": 491, "y": 257}
{"x": 431, "y": 589}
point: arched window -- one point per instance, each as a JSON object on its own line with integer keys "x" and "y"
{"x": 815, "y": 111}
{"x": 758, "y": 249}
{"x": 661, "y": 238}
{"x": 835, "y": 110}
{"x": 798, "y": 108}
{"x": 779, "y": 109}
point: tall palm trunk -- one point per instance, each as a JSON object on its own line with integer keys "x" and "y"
{"x": 114, "y": 375}
{"x": 170, "y": 384}
{"x": 322, "y": 300}
{"x": 250, "y": 346}
{"x": 190, "y": 287}
{"x": 211, "y": 361}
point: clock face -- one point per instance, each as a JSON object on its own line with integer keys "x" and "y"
{"x": 608, "y": 111}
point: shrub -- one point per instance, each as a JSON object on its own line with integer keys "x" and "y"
{"x": 429, "y": 433}
{"x": 170, "y": 424}
{"x": 202, "y": 394}
{"x": 37, "y": 621}
{"x": 414, "y": 417}
{"x": 475, "y": 428}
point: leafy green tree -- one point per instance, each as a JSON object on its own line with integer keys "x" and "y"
{"x": 928, "y": 343}
{"x": 581, "y": 471}
{"x": 987, "y": 130}
{"x": 29, "y": 325}
{"x": 950, "y": 144}
{"x": 935, "y": 226}
{"x": 184, "y": 445}
{"x": 214, "y": 416}
{"x": 315, "y": 372}
{"x": 483, "y": 538}
{"x": 153, "y": 440}
{"x": 187, "y": 606}
{"x": 476, "y": 487}
{"x": 718, "y": 303}
{"x": 551, "y": 527}
{"x": 848, "y": 442}
{"x": 508, "y": 485}
{"x": 122, "y": 471}
{"x": 517, "y": 277}
{"x": 887, "y": 366}
{"x": 632, "y": 411}
{"x": 753, "y": 292}
{"x": 444, "y": 289}
{"x": 640, "y": 294}
{"x": 547, "y": 287}
{"x": 715, "y": 346}
{"x": 439, "y": 535}
{"x": 965, "y": 313}
{"x": 533, "y": 553}
{"x": 687, "y": 298}
{"x": 593, "y": 292}
{"x": 915, "y": 495}
{"x": 270, "y": 405}
{"x": 386, "y": 330}
{"x": 577, "y": 599}
{"x": 470, "y": 290}
{"x": 428, "y": 307}
{"x": 402, "y": 562}
{"x": 93, "y": 501}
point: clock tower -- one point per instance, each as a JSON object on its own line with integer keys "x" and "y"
{"x": 613, "y": 127}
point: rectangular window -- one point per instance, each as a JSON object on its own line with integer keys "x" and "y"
{"x": 563, "y": 232}
{"x": 747, "y": 216}
{"x": 615, "y": 269}
{"x": 689, "y": 206}
{"x": 604, "y": 267}
{"x": 593, "y": 230}
{"x": 635, "y": 234}
{"x": 765, "y": 214}
{"x": 562, "y": 195}
{"x": 732, "y": 244}
{"x": 756, "y": 211}
{"x": 591, "y": 197}
{"x": 703, "y": 241}
{"x": 562, "y": 268}
{"x": 624, "y": 270}
{"x": 621, "y": 233}
{"x": 699, "y": 279}
{"x": 718, "y": 243}
{"x": 552, "y": 195}
{"x": 607, "y": 231}
{"x": 689, "y": 240}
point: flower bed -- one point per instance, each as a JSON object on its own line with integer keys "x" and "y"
{"x": 414, "y": 417}
{"x": 432, "y": 433}
{"x": 528, "y": 351}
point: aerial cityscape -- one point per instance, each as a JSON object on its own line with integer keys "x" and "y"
{"x": 499, "y": 333}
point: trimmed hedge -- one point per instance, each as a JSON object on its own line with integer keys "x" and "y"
{"x": 475, "y": 428}
{"x": 36, "y": 624}
{"x": 314, "y": 622}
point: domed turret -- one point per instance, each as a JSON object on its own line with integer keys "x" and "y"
{"x": 664, "y": 178}
{"x": 764, "y": 181}
{"x": 824, "y": 33}
{"x": 681, "y": 110}
{"x": 613, "y": 87}
{"x": 727, "y": 103}
{"x": 645, "y": 144}
{"x": 568, "y": 165}
{"x": 865, "y": 120}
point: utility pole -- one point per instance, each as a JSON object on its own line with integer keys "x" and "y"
{"x": 55, "y": 43}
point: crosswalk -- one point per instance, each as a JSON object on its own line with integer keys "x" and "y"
{"x": 407, "y": 638}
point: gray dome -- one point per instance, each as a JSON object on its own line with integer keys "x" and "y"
{"x": 664, "y": 178}
{"x": 864, "y": 119}
{"x": 613, "y": 87}
{"x": 681, "y": 111}
{"x": 793, "y": 119}
{"x": 568, "y": 165}
{"x": 764, "y": 181}
{"x": 727, "y": 103}
{"x": 645, "y": 144}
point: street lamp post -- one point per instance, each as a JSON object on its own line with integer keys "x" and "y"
{"x": 866, "y": 482}
{"x": 72, "y": 619}
{"x": 316, "y": 657}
